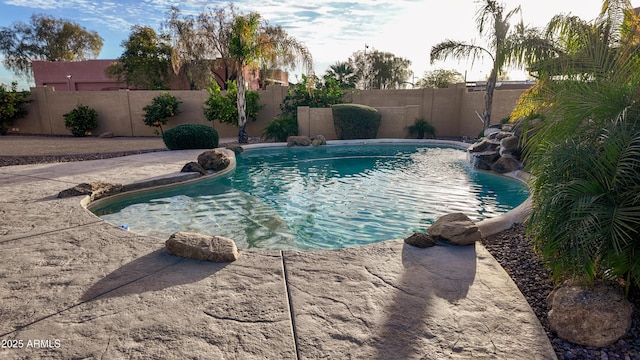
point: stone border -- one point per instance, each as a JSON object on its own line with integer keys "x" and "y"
{"x": 163, "y": 182}
{"x": 487, "y": 227}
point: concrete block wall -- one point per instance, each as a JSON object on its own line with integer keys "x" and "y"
{"x": 452, "y": 111}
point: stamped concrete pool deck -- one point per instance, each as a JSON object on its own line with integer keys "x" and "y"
{"x": 74, "y": 286}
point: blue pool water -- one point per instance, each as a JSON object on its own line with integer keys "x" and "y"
{"x": 322, "y": 198}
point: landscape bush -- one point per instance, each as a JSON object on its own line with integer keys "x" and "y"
{"x": 162, "y": 107}
{"x": 191, "y": 136}
{"x": 11, "y": 106}
{"x": 280, "y": 128}
{"x": 81, "y": 120}
{"x": 422, "y": 127}
{"x": 354, "y": 121}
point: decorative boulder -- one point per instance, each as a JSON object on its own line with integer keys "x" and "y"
{"x": 319, "y": 140}
{"x": 456, "y": 228}
{"x": 420, "y": 240}
{"x": 194, "y": 167}
{"x": 592, "y": 316}
{"x": 96, "y": 190}
{"x": 213, "y": 160}
{"x": 202, "y": 247}
{"x": 484, "y": 145}
{"x": 298, "y": 141}
{"x": 505, "y": 165}
{"x": 509, "y": 142}
{"x": 484, "y": 160}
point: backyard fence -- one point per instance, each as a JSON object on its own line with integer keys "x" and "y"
{"x": 453, "y": 111}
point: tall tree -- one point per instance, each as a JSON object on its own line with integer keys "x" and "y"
{"x": 503, "y": 47}
{"x": 254, "y": 42}
{"x": 380, "y": 70}
{"x": 439, "y": 78}
{"x": 344, "y": 73}
{"x": 201, "y": 45}
{"x": 145, "y": 62}
{"x": 46, "y": 38}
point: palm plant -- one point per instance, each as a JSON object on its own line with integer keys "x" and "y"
{"x": 586, "y": 218}
{"x": 517, "y": 48}
{"x": 422, "y": 127}
{"x": 585, "y": 155}
{"x": 344, "y": 73}
{"x": 252, "y": 43}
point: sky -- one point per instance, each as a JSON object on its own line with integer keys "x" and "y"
{"x": 332, "y": 30}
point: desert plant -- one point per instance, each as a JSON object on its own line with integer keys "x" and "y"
{"x": 586, "y": 222}
{"x": 162, "y": 107}
{"x": 11, "y": 105}
{"x": 422, "y": 127}
{"x": 280, "y": 128}
{"x": 355, "y": 121}
{"x": 191, "y": 136}
{"x": 81, "y": 120}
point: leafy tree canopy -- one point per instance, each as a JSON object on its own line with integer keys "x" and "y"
{"x": 439, "y": 78}
{"x": 380, "y": 70}
{"x": 145, "y": 62}
{"x": 201, "y": 45}
{"x": 46, "y": 38}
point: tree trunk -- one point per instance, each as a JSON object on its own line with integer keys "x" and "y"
{"x": 488, "y": 98}
{"x": 243, "y": 138}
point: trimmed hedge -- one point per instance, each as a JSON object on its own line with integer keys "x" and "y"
{"x": 191, "y": 136}
{"x": 355, "y": 121}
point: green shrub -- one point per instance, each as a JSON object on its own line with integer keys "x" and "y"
{"x": 422, "y": 127}
{"x": 354, "y": 121}
{"x": 224, "y": 107}
{"x": 280, "y": 128}
{"x": 191, "y": 136}
{"x": 11, "y": 105}
{"x": 585, "y": 218}
{"x": 81, "y": 120}
{"x": 162, "y": 107}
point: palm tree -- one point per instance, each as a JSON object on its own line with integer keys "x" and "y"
{"x": 344, "y": 73}
{"x": 254, "y": 43}
{"x": 505, "y": 48}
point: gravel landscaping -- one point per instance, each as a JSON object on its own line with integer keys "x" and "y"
{"x": 512, "y": 250}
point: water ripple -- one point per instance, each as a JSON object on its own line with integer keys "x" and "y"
{"x": 324, "y": 198}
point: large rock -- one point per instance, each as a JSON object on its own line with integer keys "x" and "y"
{"x": 202, "y": 247}
{"x": 484, "y": 160}
{"x": 484, "y": 145}
{"x": 510, "y": 142}
{"x": 456, "y": 228}
{"x": 319, "y": 140}
{"x": 592, "y": 316}
{"x": 194, "y": 167}
{"x": 420, "y": 240}
{"x": 96, "y": 190}
{"x": 213, "y": 160}
{"x": 298, "y": 141}
{"x": 506, "y": 164}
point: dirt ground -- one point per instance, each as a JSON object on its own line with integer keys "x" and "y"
{"x": 19, "y": 145}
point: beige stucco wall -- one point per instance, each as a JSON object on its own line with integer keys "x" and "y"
{"x": 452, "y": 111}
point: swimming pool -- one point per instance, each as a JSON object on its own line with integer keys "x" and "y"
{"x": 322, "y": 197}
